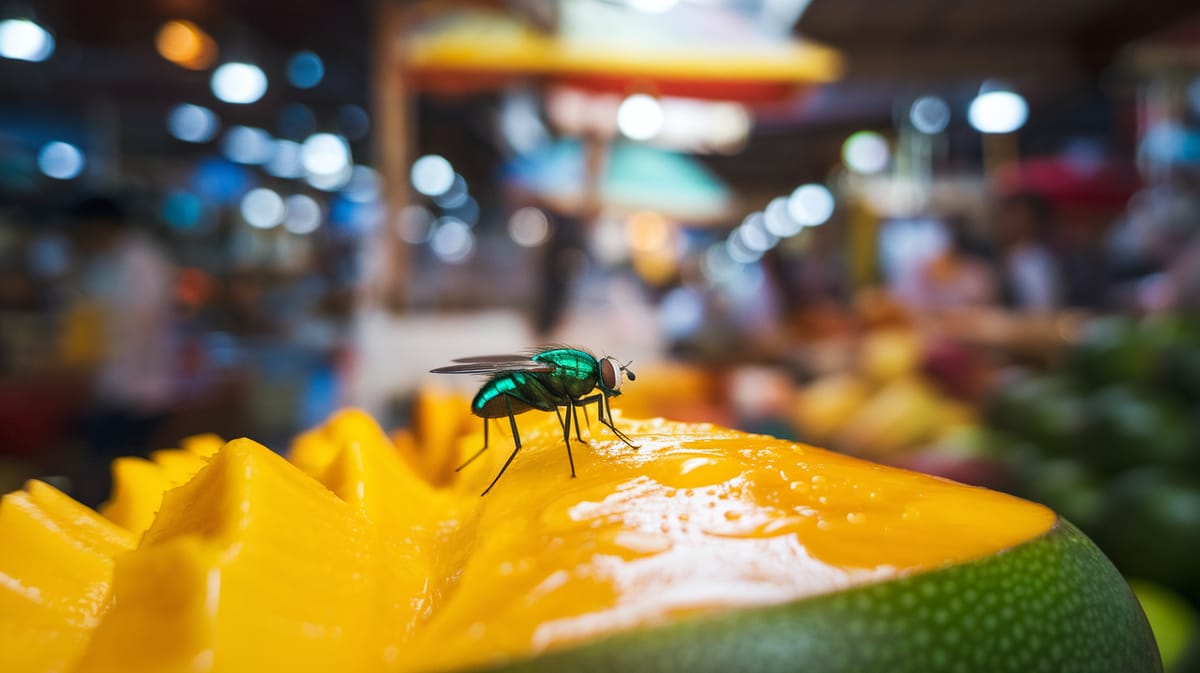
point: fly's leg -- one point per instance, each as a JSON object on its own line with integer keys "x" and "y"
{"x": 479, "y": 452}
{"x": 592, "y": 399}
{"x": 512, "y": 420}
{"x": 607, "y": 420}
{"x": 565, "y": 424}
{"x": 604, "y": 413}
{"x": 567, "y": 433}
{"x": 575, "y": 414}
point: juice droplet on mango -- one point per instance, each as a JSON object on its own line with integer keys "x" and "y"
{"x": 630, "y": 544}
{"x": 693, "y": 471}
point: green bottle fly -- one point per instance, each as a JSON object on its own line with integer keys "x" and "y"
{"x": 543, "y": 381}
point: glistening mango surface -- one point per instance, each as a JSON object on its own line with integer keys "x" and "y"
{"x": 704, "y": 550}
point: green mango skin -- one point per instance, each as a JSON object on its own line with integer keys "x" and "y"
{"x": 1052, "y": 604}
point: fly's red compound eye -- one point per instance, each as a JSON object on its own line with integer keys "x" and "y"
{"x": 610, "y": 378}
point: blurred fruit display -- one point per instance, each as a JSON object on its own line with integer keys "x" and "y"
{"x": 1111, "y": 440}
{"x": 1105, "y": 431}
{"x": 894, "y": 404}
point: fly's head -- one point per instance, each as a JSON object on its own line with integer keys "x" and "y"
{"x": 613, "y": 374}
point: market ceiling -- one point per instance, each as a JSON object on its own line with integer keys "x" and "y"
{"x": 891, "y": 49}
{"x": 922, "y": 40}
{"x": 910, "y": 41}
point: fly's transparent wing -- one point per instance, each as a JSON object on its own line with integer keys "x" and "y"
{"x": 493, "y": 364}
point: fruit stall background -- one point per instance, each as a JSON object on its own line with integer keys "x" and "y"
{"x": 955, "y": 237}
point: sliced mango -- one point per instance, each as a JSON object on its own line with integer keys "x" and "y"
{"x": 703, "y": 549}
{"x": 56, "y": 559}
{"x": 697, "y": 520}
{"x": 138, "y": 484}
{"x": 440, "y": 419}
{"x": 251, "y": 565}
{"x": 359, "y": 463}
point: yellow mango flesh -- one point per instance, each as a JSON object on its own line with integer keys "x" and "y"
{"x": 251, "y": 565}
{"x": 138, "y": 484}
{"x": 697, "y": 519}
{"x": 347, "y": 559}
{"x": 56, "y": 560}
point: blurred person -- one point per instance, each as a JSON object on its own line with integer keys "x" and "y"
{"x": 1084, "y": 261}
{"x": 1031, "y": 275}
{"x": 1156, "y": 248}
{"x": 959, "y": 276}
{"x": 562, "y": 262}
{"x": 127, "y": 279}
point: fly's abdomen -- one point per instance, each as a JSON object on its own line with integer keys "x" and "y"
{"x": 517, "y": 392}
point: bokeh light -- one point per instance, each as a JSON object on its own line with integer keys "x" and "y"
{"x": 452, "y": 240}
{"x": 521, "y": 122}
{"x": 358, "y": 218}
{"x": 529, "y": 227}
{"x": 737, "y": 250}
{"x": 454, "y": 197}
{"x": 778, "y": 220}
{"x": 811, "y": 204}
{"x": 305, "y": 70}
{"x": 325, "y": 154}
{"x": 330, "y": 182}
{"x": 247, "y": 145}
{"x": 681, "y": 311}
{"x": 297, "y": 121}
{"x": 648, "y": 231}
{"x": 717, "y": 265}
{"x": 754, "y": 235}
{"x": 364, "y": 185}
{"x": 240, "y": 83}
{"x": 467, "y": 211}
{"x": 182, "y": 210}
{"x": 49, "y": 255}
{"x": 185, "y": 44}
{"x": 302, "y": 214}
{"x": 745, "y": 282}
{"x": 414, "y": 224}
{"x": 432, "y": 175}
{"x": 24, "y": 40}
{"x": 353, "y": 121}
{"x": 221, "y": 181}
{"x": 728, "y": 125}
{"x": 653, "y": 6}
{"x": 640, "y": 117}
{"x": 285, "y": 162}
{"x": 608, "y": 240}
{"x": 929, "y": 115}
{"x": 61, "y": 161}
{"x": 865, "y": 152}
{"x": 262, "y": 208}
{"x": 998, "y": 111}
{"x": 192, "y": 123}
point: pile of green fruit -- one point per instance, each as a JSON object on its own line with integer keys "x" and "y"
{"x": 1110, "y": 438}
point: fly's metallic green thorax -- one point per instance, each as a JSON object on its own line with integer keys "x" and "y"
{"x": 544, "y": 381}
{"x": 575, "y": 373}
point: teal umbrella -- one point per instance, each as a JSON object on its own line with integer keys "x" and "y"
{"x": 634, "y": 177}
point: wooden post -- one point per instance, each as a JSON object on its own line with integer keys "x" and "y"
{"x": 387, "y": 269}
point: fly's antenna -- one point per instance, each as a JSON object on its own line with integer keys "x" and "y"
{"x": 630, "y": 374}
